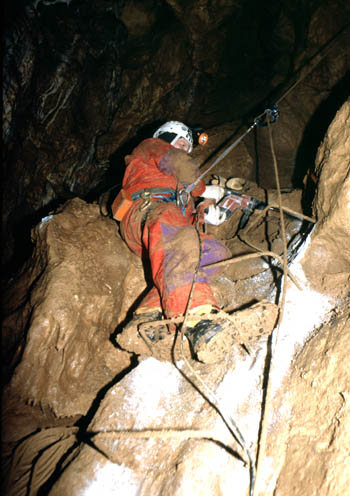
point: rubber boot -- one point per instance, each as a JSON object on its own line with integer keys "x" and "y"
{"x": 139, "y": 340}
{"x": 212, "y": 340}
{"x": 203, "y": 342}
{"x": 154, "y": 333}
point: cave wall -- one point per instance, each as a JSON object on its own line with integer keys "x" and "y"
{"x": 82, "y": 80}
{"x": 80, "y": 264}
{"x": 58, "y": 338}
{"x": 331, "y": 249}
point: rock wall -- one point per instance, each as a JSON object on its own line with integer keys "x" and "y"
{"x": 75, "y": 302}
{"x": 330, "y": 247}
{"x": 315, "y": 454}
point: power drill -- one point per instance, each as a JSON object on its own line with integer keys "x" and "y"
{"x": 234, "y": 200}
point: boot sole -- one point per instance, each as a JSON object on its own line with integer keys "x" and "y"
{"x": 244, "y": 327}
{"x": 165, "y": 349}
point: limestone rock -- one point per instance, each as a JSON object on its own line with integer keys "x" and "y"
{"x": 75, "y": 304}
{"x": 328, "y": 262}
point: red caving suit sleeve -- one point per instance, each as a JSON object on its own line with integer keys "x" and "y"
{"x": 155, "y": 163}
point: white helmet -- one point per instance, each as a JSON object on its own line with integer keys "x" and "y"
{"x": 178, "y": 129}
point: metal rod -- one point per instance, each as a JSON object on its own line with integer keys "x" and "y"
{"x": 190, "y": 187}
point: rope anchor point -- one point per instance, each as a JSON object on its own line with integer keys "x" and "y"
{"x": 272, "y": 113}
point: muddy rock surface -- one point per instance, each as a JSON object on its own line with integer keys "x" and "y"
{"x": 318, "y": 388}
{"x": 75, "y": 301}
{"x": 155, "y": 397}
{"x": 331, "y": 247}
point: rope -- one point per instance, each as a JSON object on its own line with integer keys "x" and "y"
{"x": 274, "y": 336}
{"x": 266, "y": 253}
{"x": 316, "y": 59}
{"x": 211, "y": 397}
{"x": 163, "y": 434}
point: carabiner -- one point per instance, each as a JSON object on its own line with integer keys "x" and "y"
{"x": 273, "y": 114}
{"x": 182, "y": 198}
{"x": 147, "y": 199}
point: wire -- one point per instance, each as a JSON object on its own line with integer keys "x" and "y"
{"x": 274, "y": 335}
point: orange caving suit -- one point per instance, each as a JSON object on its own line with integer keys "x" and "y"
{"x": 164, "y": 233}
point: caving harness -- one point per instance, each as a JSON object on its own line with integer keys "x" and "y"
{"x": 150, "y": 196}
{"x": 167, "y": 195}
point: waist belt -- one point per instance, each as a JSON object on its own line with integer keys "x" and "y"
{"x": 165, "y": 194}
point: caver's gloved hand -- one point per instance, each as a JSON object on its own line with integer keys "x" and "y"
{"x": 214, "y": 216}
{"x": 201, "y": 208}
{"x": 213, "y": 191}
